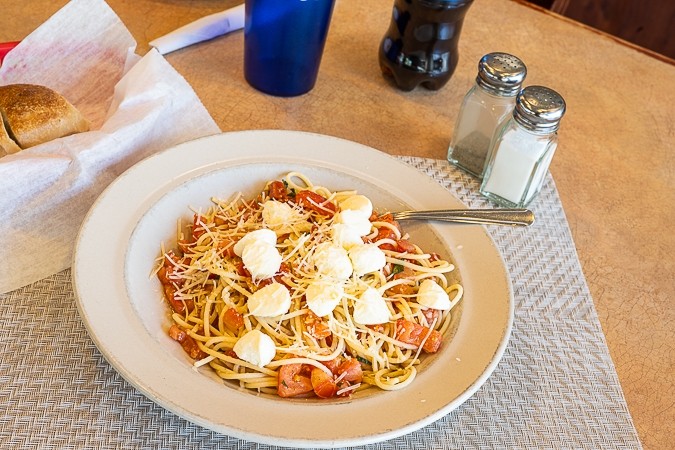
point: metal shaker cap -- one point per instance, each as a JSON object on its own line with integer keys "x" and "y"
{"x": 501, "y": 73}
{"x": 539, "y": 109}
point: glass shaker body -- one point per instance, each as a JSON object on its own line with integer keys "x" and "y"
{"x": 522, "y": 149}
{"x": 487, "y": 104}
{"x": 479, "y": 116}
{"x": 420, "y": 46}
{"x": 517, "y": 165}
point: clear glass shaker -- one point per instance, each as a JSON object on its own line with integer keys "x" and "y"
{"x": 485, "y": 106}
{"x": 523, "y": 148}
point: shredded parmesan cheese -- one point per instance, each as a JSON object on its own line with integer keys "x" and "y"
{"x": 208, "y": 286}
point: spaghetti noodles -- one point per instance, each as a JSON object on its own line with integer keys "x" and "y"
{"x": 304, "y": 291}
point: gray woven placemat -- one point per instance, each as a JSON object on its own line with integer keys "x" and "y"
{"x": 556, "y": 386}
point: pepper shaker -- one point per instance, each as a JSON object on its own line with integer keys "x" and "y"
{"x": 485, "y": 106}
{"x": 523, "y": 148}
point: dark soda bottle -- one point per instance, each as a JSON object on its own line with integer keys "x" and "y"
{"x": 420, "y": 47}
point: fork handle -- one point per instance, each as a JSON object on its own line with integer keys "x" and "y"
{"x": 500, "y": 216}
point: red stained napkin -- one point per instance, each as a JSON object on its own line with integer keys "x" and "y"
{"x": 136, "y": 106}
{"x": 5, "y": 47}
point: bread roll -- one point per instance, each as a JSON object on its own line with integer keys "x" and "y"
{"x": 7, "y": 145}
{"x": 34, "y": 114}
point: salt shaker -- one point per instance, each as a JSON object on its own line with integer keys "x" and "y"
{"x": 485, "y": 106}
{"x": 523, "y": 147}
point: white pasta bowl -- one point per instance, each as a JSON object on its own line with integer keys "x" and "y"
{"x": 122, "y": 306}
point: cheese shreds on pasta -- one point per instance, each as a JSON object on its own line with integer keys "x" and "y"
{"x": 372, "y": 332}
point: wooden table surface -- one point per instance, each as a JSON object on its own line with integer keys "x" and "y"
{"x": 614, "y": 167}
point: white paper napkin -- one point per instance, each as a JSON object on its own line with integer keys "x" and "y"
{"x": 200, "y": 30}
{"x": 136, "y": 106}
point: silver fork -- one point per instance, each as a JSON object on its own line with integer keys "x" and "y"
{"x": 500, "y": 216}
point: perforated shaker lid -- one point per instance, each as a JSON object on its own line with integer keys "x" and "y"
{"x": 539, "y": 109}
{"x": 501, "y": 73}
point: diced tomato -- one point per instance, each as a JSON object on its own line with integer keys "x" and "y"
{"x": 187, "y": 342}
{"x": 242, "y": 270}
{"x": 431, "y": 315}
{"x": 284, "y": 271}
{"x": 405, "y": 272}
{"x": 191, "y": 348}
{"x": 316, "y": 327}
{"x": 169, "y": 267}
{"x": 265, "y": 282}
{"x": 233, "y": 319}
{"x": 198, "y": 228}
{"x": 343, "y": 384}
{"x": 389, "y": 218}
{"x": 333, "y": 364}
{"x": 351, "y": 368}
{"x": 402, "y": 289}
{"x": 277, "y": 191}
{"x": 177, "y": 304}
{"x": 414, "y": 333}
{"x": 226, "y": 247}
{"x": 405, "y": 246}
{"x": 168, "y": 275}
{"x": 293, "y": 380}
{"x": 219, "y": 221}
{"x": 284, "y": 268}
{"x": 184, "y": 245}
{"x": 323, "y": 384}
{"x": 176, "y": 333}
{"x": 314, "y": 202}
{"x": 385, "y": 233}
{"x": 163, "y": 275}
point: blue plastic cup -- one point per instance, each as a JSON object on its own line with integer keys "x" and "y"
{"x": 283, "y": 44}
